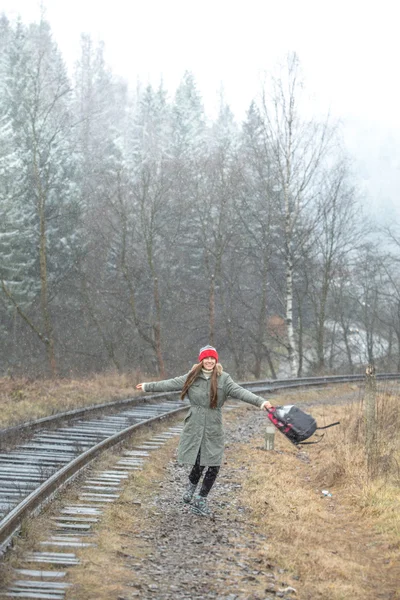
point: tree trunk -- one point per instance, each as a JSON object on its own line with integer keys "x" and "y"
{"x": 270, "y": 363}
{"x": 332, "y": 347}
{"x": 300, "y": 343}
{"x": 237, "y": 356}
{"x": 212, "y": 311}
{"x": 370, "y": 420}
{"x": 289, "y": 318}
{"x": 48, "y": 327}
{"x": 261, "y": 325}
{"x": 107, "y": 343}
{"x": 398, "y": 353}
{"x": 44, "y": 301}
{"x": 157, "y": 330}
{"x": 347, "y": 345}
{"x": 321, "y": 328}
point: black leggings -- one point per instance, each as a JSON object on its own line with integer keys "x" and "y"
{"x": 209, "y": 477}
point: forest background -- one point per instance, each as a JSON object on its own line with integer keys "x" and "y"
{"x": 135, "y": 229}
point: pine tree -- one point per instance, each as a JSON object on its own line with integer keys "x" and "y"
{"x": 43, "y": 212}
{"x": 144, "y": 220}
{"x": 188, "y": 120}
{"x": 100, "y": 103}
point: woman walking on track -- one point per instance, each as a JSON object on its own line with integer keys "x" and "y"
{"x": 201, "y": 445}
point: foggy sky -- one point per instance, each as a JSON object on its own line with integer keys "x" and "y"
{"x": 348, "y": 51}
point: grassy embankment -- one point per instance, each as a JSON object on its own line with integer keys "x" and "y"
{"x": 340, "y": 547}
{"x": 25, "y": 400}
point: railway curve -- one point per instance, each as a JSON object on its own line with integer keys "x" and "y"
{"x": 34, "y": 471}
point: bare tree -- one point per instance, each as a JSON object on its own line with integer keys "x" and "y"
{"x": 366, "y": 293}
{"x": 338, "y": 232}
{"x": 297, "y": 147}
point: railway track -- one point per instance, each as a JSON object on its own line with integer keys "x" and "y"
{"x": 60, "y": 446}
{"x": 261, "y": 386}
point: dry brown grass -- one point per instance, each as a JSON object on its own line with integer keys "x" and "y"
{"x": 25, "y": 400}
{"x": 343, "y": 547}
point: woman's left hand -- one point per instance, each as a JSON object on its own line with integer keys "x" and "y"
{"x": 266, "y": 405}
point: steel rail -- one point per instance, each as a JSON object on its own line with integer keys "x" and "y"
{"x": 261, "y": 386}
{"x": 309, "y": 381}
{"x": 10, "y": 524}
{"x": 29, "y": 427}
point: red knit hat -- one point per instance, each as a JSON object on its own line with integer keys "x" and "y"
{"x": 208, "y": 351}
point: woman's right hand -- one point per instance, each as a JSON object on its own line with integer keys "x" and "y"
{"x": 139, "y": 386}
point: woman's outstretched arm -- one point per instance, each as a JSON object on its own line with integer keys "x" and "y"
{"x": 167, "y": 385}
{"x": 236, "y": 391}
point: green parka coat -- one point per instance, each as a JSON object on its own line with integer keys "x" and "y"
{"x": 203, "y": 429}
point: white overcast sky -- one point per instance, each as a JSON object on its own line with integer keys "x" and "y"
{"x": 349, "y": 51}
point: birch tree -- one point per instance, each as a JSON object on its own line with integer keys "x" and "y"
{"x": 297, "y": 146}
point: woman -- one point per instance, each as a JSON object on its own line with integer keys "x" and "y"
{"x": 202, "y": 441}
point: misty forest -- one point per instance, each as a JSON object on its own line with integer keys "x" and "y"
{"x": 135, "y": 229}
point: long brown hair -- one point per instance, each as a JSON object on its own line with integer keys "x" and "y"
{"x": 193, "y": 375}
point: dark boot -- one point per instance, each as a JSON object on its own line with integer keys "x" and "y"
{"x": 200, "y": 506}
{"x": 188, "y": 494}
